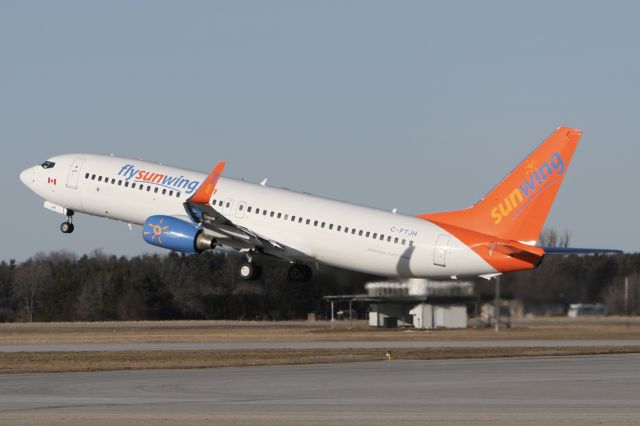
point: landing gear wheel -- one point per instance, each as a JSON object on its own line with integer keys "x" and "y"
{"x": 299, "y": 273}
{"x": 249, "y": 271}
{"x": 66, "y": 227}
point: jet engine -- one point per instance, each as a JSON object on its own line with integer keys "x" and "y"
{"x": 175, "y": 234}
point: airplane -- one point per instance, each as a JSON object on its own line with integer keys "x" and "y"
{"x": 190, "y": 212}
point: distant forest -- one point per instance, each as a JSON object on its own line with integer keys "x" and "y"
{"x": 64, "y": 287}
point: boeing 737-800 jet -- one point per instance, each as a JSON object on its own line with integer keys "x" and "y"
{"x": 190, "y": 212}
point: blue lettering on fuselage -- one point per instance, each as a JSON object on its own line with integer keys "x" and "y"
{"x": 403, "y": 231}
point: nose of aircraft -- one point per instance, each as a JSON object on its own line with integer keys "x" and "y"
{"x": 27, "y": 176}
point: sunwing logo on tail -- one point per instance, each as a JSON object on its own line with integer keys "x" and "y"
{"x": 537, "y": 180}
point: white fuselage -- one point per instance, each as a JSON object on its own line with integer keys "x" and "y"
{"x": 332, "y": 232}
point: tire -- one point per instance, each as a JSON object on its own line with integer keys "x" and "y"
{"x": 299, "y": 273}
{"x": 247, "y": 271}
{"x": 66, "y": 227}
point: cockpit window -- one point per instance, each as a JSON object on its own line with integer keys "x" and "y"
{"x": 48, "y": 165}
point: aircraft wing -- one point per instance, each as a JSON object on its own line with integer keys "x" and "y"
{"x": 227, "y": 233}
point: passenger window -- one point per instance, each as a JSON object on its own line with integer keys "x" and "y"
{"x": 126, "y": 184}
{"x": 315, "y": 223}
{"x": 308, "y": 221}
{"x": 389, "y": 238}
{"x": 249, "y": 209}
{"x": 86, "y": 176}
{"x": 367, "y": 234}
{"x": 293, "y": 218}
{"x": 257, "y": 210}
{"x": 148, "y": 188}
{"x": 286, "y": 217}
{"x": 375, "y": 235}
{"x": 322, "y": 225}
{"x": 99, "y": 178}
{"x": 360, "y": 233}
{"x": 381, "y": 237}
{"x": 264, "y": 212}
{"x": 170, "y": 193}
{"x": 220, "y": 203}
{"x": 404, "y": 241}
{"x": 113, "y": 181}
{"x": 331, "y": 226}
{"x": 228, "y": 205}
{"x": 353, "y": 231}
{"x": 155, "y": 190}
{"x": 339, "y": 228}
{"x": 240, "y": 207}
{"x": 346, "y": 229}
{"x": 395, "y": 240}
{"x": 164, "y": 191}
{"x": 93, "y": 177}
{"x": 272, "y": 213}
{"x": 141, "y": 187}
{"x": 120, "y": 182}
{"x": 410, "y": 243}
{"x": 279, "y": 215}
{"x": 299, "y": 220}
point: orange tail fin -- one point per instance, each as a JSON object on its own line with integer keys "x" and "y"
{"x": 517, "y": 207}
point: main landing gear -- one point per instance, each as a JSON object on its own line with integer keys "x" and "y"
{"x": 67, "y": 227}
{"x": 248, "y": 270}
{"x": 299, "y": 273}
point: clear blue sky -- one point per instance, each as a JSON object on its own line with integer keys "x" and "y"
{"x": 421, "y": 106}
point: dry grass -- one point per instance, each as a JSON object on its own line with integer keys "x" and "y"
{"x": 291, "y": 420}
{"x": 51, "y": 362}
{"x": 241, "y": 332}
{"x": 249, "y": 332}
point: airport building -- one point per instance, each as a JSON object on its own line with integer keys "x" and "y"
{"x": 415, "y": 302}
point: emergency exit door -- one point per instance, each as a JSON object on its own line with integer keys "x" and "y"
{"x": 440, "y": 250}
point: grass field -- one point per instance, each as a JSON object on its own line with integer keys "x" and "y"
{"x": 245, "y": 332}
{"x": 303, "y": 331}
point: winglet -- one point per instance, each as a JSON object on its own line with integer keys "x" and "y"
{"x": 204, "y": 193}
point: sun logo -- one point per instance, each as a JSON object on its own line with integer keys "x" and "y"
{"x": 530, "y": 167}
{"x": 157, "y": 231}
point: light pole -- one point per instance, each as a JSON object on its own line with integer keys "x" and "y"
{"x": 496, "y": 309}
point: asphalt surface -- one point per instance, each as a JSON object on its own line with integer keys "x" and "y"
{"x": 82, "y": 347}
{"x": 570, "y": 390}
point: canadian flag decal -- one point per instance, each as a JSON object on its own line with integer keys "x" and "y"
{"x": 52, "y": 180}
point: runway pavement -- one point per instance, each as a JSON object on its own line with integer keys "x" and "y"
{"x": 553, "y": 390}
{"x": 82, "y": 347}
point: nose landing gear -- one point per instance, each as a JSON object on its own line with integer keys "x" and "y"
{"x": 67, "y": 227}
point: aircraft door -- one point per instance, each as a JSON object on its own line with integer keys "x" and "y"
{"x": 227, "y": 209}
{"x": 74, "y": 173}
{"x": 242, "y": 206}
{"x": 440, "y": 250}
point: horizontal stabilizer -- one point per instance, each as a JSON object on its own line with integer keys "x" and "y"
{"x": 573, "y": 250}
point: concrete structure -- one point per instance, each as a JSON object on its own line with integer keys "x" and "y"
{"x": 426, "y": 315}
{"x": 379, "y": 311}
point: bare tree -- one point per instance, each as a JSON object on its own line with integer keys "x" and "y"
{"x": 30, "y": 279}
{"x": 549, "y": 237}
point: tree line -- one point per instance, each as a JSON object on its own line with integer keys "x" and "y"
{"x": 61, "y": 286}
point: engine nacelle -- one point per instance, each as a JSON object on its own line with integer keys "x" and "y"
{"x": 175, "y": 234}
